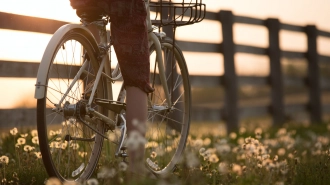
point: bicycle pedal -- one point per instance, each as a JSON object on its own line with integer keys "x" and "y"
{"x": 114, "y": 106}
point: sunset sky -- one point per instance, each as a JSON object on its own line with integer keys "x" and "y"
{"x": 298, "y": 12}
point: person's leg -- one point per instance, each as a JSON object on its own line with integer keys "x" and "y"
{"x": 130, "y": 40}
{"x": 136, "y": 117}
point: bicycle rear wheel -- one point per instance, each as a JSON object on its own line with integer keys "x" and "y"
{"x": 168, "y": 126}
{"x": 70, "y": 149}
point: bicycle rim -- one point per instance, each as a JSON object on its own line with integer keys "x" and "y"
{"x": 70, "y": 149}
{"x": 167, "y": 127}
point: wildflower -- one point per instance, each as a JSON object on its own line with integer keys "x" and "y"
{"x": 207, "y": 141}
{"x": 121, "y": 180}
{"x": 240, "y": 141}
{"x": 106, "y": 173}
{"x": 242, "y": 130}
{"x": 28, "y": 148}
{"x": 281, "y": 132}
{"x": 258, "y": 131}
{"x": 53, "y": 181}
{"x": 207, "y": 154}
{"x": 256, "y": 142}
{"x": 237, "y": 169}
{"x": 284, "y": 171}
{"x": 53, "y": 144}
{"x": 71, "y": 182}
{"x": 82, "y": 154}
{"x": 122, "y": 166}
{"x": 223, "y": 149}
{"x": 74, "y": 146}
{"x": 52, "y": 133}
{"x": 290, "y": 155}
{"x": 233, "y": 135}
{"x": 281, "y": 151}
{"x": 223, "y": 167}
{"x": 38, "y": 155}
{"x": 92, "y": 181}
{"x": 58, "y": 139}
{"x": 268, "y": 164}
{"x": 35, "y": 140}
{"x": 152, "y": 144}
{"x": 202, "y": 151}
{"x": 192, "y": 160}
{"x": 213, "y": 158}
{"x": 261, "y": 150}
{"x": 318, "y": 145}
{"x": 24, "y": 135}
{"x": 13, "y": 131}
{"x": 248, "y": 140}
{"x": 168, "y": 149}
{"x": 265, "y": 156}
{"x": 198, "y": 143}
{"x": 64, "y": 145}
{"x": 21, "y": 141}
{"x": 153, "y": 154}
{"x": 4, "y": 159}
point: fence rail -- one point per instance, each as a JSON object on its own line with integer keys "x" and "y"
{"x": 231, "y": 112}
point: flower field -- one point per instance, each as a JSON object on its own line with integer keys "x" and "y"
{"x": 295, "y": 154}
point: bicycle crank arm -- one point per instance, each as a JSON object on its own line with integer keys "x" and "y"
{"x": 69, "y": 138}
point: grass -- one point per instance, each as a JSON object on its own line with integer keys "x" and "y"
{"x": 292, "y": 154}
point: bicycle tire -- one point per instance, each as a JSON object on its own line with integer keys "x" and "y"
{"x": 64, "y": 152}
{"x": 168, "y": 127}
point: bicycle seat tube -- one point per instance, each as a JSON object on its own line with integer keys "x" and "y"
{"x": 105, "y": 67}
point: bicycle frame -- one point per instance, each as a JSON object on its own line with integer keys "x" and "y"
{"x": 104, "y": 66}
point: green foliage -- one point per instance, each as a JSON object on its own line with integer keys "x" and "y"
{"x": 293, "y": 154}
{"x": 24, "y": 165}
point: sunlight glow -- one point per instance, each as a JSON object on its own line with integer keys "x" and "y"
{"x": 293, "y": 41}
{"x": 22, "y": 46}
{"x": 51, "y": 9}
{"x": 29, "y": 47}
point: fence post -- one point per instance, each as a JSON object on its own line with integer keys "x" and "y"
{"x": 230, "y": 78}
{"x": 313, "y": 82}
{"x": 275, "y": 77}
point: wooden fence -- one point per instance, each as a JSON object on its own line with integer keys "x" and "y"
{"x": 231, "y": 82}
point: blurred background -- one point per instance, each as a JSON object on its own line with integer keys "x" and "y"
{"x": 21, "y": 46}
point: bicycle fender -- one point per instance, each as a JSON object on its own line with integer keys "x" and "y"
{"x": 41, "y": 83}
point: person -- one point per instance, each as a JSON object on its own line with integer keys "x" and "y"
{"x": 130, "y": 40}
{"x": 129, "y": 35}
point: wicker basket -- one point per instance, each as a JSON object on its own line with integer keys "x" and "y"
{"x": 171, "y": 12}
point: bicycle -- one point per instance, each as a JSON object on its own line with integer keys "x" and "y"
{"x": 76, "y": 110}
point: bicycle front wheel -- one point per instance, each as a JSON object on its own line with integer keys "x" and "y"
{"x": 70, "y": 148}
{"x": 168, "y": 115}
